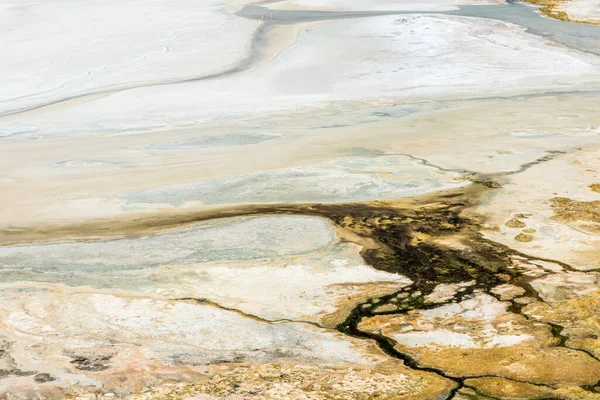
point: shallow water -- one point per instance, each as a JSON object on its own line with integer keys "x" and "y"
{"x": 282, "y": 17}
{"x": 574, "y": 35}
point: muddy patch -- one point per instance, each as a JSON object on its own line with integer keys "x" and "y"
{"x": 90, "y": 361}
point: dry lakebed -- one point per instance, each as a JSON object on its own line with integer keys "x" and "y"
{"x": 300, "y": 199}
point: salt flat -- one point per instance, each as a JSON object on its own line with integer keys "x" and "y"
{"x": 354, "y": 60}
{"x": 353, "y": 5}
{"x": 373, "y": 64}
{"x": 103, "y": 46}
{"x": 303, "y": 199}
{"x": 129, "y": 341}
{"x": 271, "y": 267}
{"x": 545, "y": 231}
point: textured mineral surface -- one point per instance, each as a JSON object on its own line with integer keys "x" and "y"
{"x": 299, "y": 199}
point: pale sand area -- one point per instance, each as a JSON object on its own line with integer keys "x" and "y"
{"x": 548, "y": 228}
{"x": 57, "y": 339}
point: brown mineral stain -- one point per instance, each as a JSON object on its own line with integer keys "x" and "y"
{"x": 549, "y": 8}
{"x": 580, "y": 315}
{"x": 385, "y": 308}
{"x": 508, "y": 389}
{"x": 504, "y": 388}
{"x": 536, "y": 359}
{"x": 524, "y": 237}
{"x": 595, "y": 229}
{"x": 515, "y": 223}
{"x": 568, "y": 210}
{"x": 301, "y": 380}
{"x": 136, "y": 224}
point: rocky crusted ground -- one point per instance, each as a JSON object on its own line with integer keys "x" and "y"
{"x": 583, "y": 11}
{"x": 456, "y": 314}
